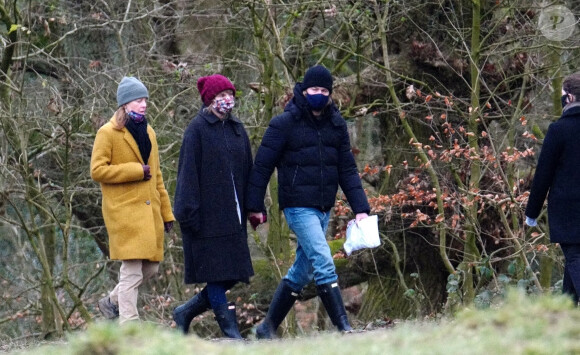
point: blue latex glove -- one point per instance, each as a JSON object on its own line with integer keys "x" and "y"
{"x": 532, "y": 222}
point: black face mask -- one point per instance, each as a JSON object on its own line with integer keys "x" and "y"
{"x": 564, "y": 100}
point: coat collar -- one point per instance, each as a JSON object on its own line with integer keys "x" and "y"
{"x": 115, "y": 125}
{"x": 212, "y": 119}
{"x": 572, "y": 109}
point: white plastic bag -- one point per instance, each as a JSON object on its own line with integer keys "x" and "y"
{"x": 362, "y": 234}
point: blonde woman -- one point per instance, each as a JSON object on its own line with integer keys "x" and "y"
{"x": 136, "y": 206}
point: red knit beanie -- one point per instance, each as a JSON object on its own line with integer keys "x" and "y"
{"x": 210, "y": 86}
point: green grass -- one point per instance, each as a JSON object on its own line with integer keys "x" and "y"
{"x": 522, "y": 325}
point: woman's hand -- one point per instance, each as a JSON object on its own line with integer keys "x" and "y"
{"x": 257, "y": 218}
{"x": 146, "y": 172}
{"x": 168, "y": 226}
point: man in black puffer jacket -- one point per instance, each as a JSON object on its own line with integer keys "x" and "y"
{"x": 310, "y": 147}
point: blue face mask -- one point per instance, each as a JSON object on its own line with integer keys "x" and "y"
{"x": 317, "y": 101}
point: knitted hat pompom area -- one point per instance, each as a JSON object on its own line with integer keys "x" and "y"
{"x": 319, "y": 76}
{"x": 130, "y": 88}
{"x": 210, "y": 86}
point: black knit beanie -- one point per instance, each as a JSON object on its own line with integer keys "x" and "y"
{"x": 317, "y": 76}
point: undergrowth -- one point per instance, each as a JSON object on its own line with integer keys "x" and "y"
{"x": 522, "y": 324}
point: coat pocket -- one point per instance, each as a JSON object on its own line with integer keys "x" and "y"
{"x": 119, "y": 195}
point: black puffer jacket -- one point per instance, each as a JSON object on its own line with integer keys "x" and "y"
{"x": 313, "y": 157}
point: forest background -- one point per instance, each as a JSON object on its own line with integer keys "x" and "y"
{"x": 446, "y": 101}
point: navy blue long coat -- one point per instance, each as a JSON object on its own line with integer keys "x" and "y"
{"x": 558, "y": 176}
{"x": 313, "y": 157}
{"x": 214, "y": 156}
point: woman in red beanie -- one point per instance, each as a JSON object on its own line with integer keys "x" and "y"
{"x": 214, "y": 163}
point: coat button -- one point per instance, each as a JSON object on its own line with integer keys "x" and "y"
{"x": 148, "y": 202}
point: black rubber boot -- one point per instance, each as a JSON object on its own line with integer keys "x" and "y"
{"x": 225, "y": 315}
{"x": 184, "y": 314}
{"x": 282, "y": 302}
{"x": 332, "y": 299}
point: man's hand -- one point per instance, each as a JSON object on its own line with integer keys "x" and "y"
{"x": 360, "y": 216}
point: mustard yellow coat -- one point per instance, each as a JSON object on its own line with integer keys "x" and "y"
{"x": 134, "y": 209}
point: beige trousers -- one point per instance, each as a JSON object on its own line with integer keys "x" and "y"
{"x": 133, "y": 273}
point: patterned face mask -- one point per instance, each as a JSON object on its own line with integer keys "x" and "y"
{"x": 224, "y": 105}
{"x": 137, "y": 117}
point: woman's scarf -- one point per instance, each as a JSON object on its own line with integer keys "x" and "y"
{"x": 138, "y": 128}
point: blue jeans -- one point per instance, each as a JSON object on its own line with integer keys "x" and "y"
{"x": 571, "y": 282}
{"x": 313, "y": 258}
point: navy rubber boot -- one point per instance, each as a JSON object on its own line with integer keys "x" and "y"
{"x": 184, "y": 314}
{"x": 225, "y": 315}
{"x": 331, "y": 298}
{"x": 282, "y": 302}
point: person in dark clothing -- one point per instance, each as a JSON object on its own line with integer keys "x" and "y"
{"x": 557, "y": 175}
{"x": 214, "y": 164}
{"x": 310, "y": 147}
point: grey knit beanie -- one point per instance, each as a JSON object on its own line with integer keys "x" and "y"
{"x": 130, "y": 89}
